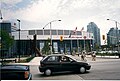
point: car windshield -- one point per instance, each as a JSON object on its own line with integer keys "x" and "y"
{"x": 72, "y": 57}
{"x": 75, "y": 59}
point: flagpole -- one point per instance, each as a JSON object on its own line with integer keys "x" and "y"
{"x": 70, "y": 42}
{"x": 71, "y": 46}
{"x": 77, "y": 43}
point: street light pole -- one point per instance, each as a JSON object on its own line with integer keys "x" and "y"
{"x": 19, "y": 40}
{"x": 50, "y": 33}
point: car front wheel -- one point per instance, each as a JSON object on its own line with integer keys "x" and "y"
{"x": 48, "y": 72}
{"x": 82, "y": 69}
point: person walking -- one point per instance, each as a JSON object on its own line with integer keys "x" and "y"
{"x": 83, "y": 56}
{"x": 93, "y": 56}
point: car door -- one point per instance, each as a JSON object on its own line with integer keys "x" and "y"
{"x": 68, "y": 65}
{"x": 53, "y": 63}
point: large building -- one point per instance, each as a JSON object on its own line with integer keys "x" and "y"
{"x": 113, "y": 36}
{"x": 69, "y": 42}
{"x": 6, "y": 26}
{"x": 72, "y": 41}
{"x": 93, "y": 28}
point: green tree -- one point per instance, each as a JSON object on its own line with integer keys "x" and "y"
{"x": 6, "y": 40}
{"x": 46, "y": 48}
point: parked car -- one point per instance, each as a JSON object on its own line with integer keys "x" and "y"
{"x": 15, "y": 72}
{"x": 60, "y": 62}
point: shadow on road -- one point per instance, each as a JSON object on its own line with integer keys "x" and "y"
{"x": 60, "y": 74}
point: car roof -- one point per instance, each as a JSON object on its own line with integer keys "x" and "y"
{"x": 57, "y": 55}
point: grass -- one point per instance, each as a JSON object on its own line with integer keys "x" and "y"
{"x": 26, "y": 60}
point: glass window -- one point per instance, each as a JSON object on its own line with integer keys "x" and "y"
{"x": 54, "y": 32}
{"x": 79, "y": 33}
{"x": 46, "y": 32}
{"x": 66, "y": 32}
{"x": 31, "y": 32}
{"x": 60, "y": 32}
{"x": 53, "y": 59}
{"x": 39, "y": 32}
{"x": 73, "y": 33}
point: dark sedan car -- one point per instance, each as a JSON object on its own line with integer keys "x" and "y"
{"x": 15, "y": 72}
{"x": 60, "y": 62}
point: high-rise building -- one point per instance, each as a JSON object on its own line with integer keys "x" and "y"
{"x": 113, "y": 36}
{"x": 93, "y": 28}
{"x": 6, "y": 26}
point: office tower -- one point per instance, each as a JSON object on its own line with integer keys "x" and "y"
{"x": 93, "y": 28}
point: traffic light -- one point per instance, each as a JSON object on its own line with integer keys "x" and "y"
{"x": 103, "y": 37}
{"x": 61, "y": 38}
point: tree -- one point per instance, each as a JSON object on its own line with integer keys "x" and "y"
{"x": 46, "y": 48}
{"x": 6, "y": 41}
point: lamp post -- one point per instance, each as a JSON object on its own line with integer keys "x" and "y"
{"x": 50, "y": 33}
{"x": 84, "y": 43}
{"x": 19, "y": 40}
{"x": 117, "y": 37}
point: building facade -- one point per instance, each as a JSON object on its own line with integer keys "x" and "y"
{"x": 6, "y": 26}
{"x": 71, "y": 40}
{"x": 93, "y": 28}
{"x": 113, "y": 36}
{"x": 5, "y": 29}
{"x": 68, "y": 44}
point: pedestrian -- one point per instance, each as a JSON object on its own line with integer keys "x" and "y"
{"x": 83, "y": 56}
{"x": 93, "y": 56}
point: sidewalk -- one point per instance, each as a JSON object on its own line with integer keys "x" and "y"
{"x": 36, "y": 60}
{"x": 98, "y": 58}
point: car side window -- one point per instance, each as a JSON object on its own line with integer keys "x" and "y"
{"x": 52, "y": 59}
{"x": 65, "y": 59}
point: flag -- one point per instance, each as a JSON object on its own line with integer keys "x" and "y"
{"x": 70, "y": 34}
{"x": 75, "y": 30}
{"x": 82, "y": 29}
{"x": 1, "y": 15}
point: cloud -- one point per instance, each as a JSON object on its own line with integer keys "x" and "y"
{"x": 10, "y": 2}
{"x": 70, "y": 11}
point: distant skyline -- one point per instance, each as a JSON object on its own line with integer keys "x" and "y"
{"x": 35, "y": 14}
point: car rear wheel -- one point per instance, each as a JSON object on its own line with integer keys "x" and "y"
{"x": 82, "y": 69}
{"x": 48, "y": 72}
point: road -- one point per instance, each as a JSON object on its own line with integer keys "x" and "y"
{"x": 109, "y": 70}
{"x": 101, "y": 70}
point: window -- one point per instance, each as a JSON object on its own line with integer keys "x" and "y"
{"x": 54, "y": 32}
{"x": 66, "y": 32}
{"x": 31, "y": 32}
{"x": 60, "y": 32}
{"x": 46, "y": 32}
{"x": 79, "y": 33}
{"x": 39, "y": 32}
{"x": 53, "y": 59}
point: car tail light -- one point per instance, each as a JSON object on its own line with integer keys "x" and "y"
{"x": 26, "y": 74}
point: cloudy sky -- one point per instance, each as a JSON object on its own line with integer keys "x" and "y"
{"x": 35, "y": 14}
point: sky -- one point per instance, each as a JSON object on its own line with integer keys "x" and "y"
{"x": 35, "y": 14}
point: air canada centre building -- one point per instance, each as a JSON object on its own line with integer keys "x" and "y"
{"x": 63, "y": 41}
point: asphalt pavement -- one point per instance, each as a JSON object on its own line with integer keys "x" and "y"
{"x": 36, "y": 75}
{"x": 69, "y": 76}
